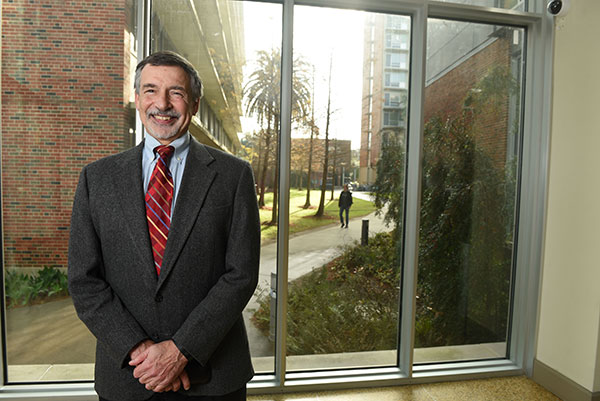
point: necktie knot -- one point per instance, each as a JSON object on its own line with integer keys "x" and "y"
{"x": 165, "y": 152}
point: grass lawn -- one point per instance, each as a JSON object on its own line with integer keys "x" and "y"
{"x": 303, "y": 219}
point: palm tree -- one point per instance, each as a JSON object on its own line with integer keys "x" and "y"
{"x": 262, "y": 92}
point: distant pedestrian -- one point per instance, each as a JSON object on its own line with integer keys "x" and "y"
{"x": 344, "y": 203}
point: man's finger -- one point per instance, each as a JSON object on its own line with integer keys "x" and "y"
{"x": 175, "y": 386}
{"x": 185, "y": 380}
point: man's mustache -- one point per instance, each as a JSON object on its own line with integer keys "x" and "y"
{"x": 168, "y": 113}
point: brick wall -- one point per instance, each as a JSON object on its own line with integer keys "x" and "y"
{"x": 62, "y": 107}
{"x": 445, "y": 97}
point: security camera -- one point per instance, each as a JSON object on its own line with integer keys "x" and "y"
{"x": 559, "y": 8}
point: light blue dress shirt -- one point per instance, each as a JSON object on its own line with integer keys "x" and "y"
{"x": 176, "y": 164}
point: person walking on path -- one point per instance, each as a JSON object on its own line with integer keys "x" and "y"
{"x": 344, "y": 203}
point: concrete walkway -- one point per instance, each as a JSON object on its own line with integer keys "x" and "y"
{"x": 51, "y": 333}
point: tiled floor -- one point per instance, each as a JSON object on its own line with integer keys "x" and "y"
{"x": 498, "y": 389}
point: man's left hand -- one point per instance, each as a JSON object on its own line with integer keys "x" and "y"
{"x": 159, "y": 366}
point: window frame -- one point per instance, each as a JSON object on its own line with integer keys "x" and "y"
{"x": 530, "y": 229}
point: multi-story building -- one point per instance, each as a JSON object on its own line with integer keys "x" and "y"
{"x": 385, "y": 86}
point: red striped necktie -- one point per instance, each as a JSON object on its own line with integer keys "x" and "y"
{"x": 159, "y": 199}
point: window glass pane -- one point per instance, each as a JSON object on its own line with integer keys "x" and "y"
{"x": 395, "y": 60}
{"x": 67, "y": 100}
{"x": 343, "y": 308}
{"x": 236, "y": 50}
{"x": 470, "y": 173}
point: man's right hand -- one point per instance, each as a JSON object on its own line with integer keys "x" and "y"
{"x": 140, "y": 349}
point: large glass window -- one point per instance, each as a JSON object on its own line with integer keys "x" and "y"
{"x": 238, "y": 57}
{"x": 67, "y": 100}
{"x": 470, "y": 176}
{"x": 344, "y": 271}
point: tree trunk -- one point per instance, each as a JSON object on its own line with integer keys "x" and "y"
{"x": 265, "y": 165}
{"x": 334, "y": 167}
{"x": 310, "y": 153}
{"x": 259, "y": 163}
{"x": 321, "y": 209}
{"x": 276, "y": 174}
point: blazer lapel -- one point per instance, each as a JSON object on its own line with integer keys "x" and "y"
{"x": 196, "y": 181}
{"x": 130, "y": 193}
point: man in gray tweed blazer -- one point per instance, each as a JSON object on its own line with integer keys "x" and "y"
{"x": 175, "y": 333}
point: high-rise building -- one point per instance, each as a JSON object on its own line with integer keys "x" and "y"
{"x": 385, "y": 86}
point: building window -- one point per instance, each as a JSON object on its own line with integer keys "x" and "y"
{"x": 346, "y": 301}
{"x": 396, "y": 60}
{"x": 391, "y": 118}
{"x": 396, "y": 79}
{"x": 394, "y": 99}
{"x": 396, "y": 40}
{"x": 468, "y": 216}
{"x": 67, "y": 100}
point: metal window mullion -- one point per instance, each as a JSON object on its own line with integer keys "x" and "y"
{"x": 3, "y": 324}
{"x": 284, "y": 190}
{"x": 534, "y": 184}
{"x": 144, "y": 9}
{"x": 478, "y": 14}
{"x": 413, "y": 190}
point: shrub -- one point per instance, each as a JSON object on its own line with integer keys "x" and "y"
{"x": 22, "y": 289}
{"x": 348, "y": 305}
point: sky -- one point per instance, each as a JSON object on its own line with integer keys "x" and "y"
{"x": 320, "y": 34}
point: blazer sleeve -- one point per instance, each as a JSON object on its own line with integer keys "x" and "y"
{"x": 96, "y": 304}
{"x": 211, "y": 320}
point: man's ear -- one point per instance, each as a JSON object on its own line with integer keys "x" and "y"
{"x": 194, "y": 107}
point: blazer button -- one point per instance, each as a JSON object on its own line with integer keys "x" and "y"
{"x": 158, "y": 298}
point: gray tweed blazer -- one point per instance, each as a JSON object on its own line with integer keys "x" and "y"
{"x": 209, "y": 273}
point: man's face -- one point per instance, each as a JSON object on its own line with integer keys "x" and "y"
{"x": 165, "y": 102}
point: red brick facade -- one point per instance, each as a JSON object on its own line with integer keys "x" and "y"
{"x": 63, "y": 106}
{"x": 445, "y": 97}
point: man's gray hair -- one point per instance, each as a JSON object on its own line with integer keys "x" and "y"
{"x": 169, "y": 58}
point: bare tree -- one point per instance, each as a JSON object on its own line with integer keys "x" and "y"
{"x": 312, "y": 136}
{"x": 321, "y": 209}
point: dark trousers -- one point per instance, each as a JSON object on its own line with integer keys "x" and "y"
{"x": 347, "y": 209}
{"x": 239, "y": 395}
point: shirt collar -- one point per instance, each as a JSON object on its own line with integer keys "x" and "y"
{"x": 180, "y": 144}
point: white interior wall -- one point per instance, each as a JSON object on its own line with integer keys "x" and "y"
{"x": 569, "y": 335}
